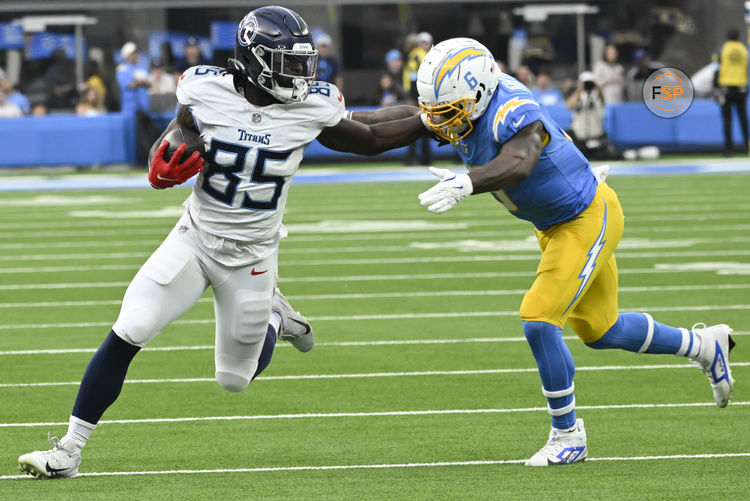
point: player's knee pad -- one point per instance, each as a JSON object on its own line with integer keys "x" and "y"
{"x": 232, "y": 382}
{"x": 252, "y": 314}
{"x": 136, "y": 324}
{"x": 535, "y": 308}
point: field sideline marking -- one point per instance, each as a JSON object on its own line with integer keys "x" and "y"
{"x": 386, "y": 295}
{"x": 429, "y": 412}
{"x": 379, "y": 374}
{"x": 380, "y": 466}
{"x": 393, "y": 316}
{"x": 387, "y": 342}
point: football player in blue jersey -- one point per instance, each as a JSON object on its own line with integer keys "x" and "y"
{"x": 514, "y": 151}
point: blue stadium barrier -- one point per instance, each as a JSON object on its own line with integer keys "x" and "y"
{"x": 67, "y": 140}
{"x": 111, "y": 138}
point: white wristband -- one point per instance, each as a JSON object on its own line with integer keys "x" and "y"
{"x": 348, "y": 114}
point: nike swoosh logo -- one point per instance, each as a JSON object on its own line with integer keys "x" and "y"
{"x": 303, "y": 324}
{"x": 253, "y": 272}
{"x": 158, "y": 176}
{"x": 54, "y": 470}
{"x": 518, "y": 122}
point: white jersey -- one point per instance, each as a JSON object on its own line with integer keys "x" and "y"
{"x": 252, "y": 154}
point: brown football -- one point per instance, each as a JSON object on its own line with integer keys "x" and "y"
{"x": 178, "y": 136}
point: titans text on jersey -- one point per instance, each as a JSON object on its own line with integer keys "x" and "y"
{"x": 252, "y": 154}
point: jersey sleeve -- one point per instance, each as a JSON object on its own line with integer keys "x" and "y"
{"x": 514, "y": 114}
{"x": 331, "y": 101}
{"x": 198, "y": 84}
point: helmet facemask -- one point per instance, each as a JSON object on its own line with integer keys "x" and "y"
{"x": 450, "y": 121}
{"x": 283, "y": 73}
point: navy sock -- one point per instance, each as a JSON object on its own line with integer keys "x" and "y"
{"x": 102, "y": 381}
{"x": 556, "y": 368}
{"x": 631, "y": 333}
{"x": 267, "y": 351}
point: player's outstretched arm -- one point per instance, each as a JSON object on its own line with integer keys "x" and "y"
{"x": 514, "y": 162}
{"x": 351, "y": 136}
{"x": 511, "y": 166}
{"x": 379, "y": 115}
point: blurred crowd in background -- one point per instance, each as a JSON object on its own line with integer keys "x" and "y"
{"x": 141, "y": 80}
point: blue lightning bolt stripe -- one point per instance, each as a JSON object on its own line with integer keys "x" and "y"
{"x": 451, "y": 62}
{"x": 593, "y": 254}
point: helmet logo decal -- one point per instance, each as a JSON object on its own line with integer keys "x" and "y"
{"x": 450, "y": 63}
{"x": 246, "y": 31}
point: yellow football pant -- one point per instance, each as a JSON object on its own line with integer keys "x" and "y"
{"x": 577, "y": 275}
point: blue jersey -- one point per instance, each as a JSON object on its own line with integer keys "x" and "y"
{"x": 561, "y": 184}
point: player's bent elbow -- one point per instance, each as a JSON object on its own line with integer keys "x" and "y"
{"x": 232, "y": 382}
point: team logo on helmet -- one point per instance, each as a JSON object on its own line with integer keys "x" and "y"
{"x": 247, "y": 30}
{"x": 453, "y": 61}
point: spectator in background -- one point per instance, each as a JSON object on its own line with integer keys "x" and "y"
{"x": 425, "y": 41}
{"x": 12, "y": 95}
{"x": 328, "y": 65}
{"x": 163, "y": 86}
{"x": 91, "y": 103}
{"x": 134, "y": 99}
{"x": 93, "y": 80}
{"x": 525, "y": 76}
{"x": 501, "y": 64}
{"x": 638, "y": 74}
{"x": 414, "y": 55}
{"x": 610, "y": 76}
{"x": 731, "y": 80}
{"x": 587, "y": 127}
{"x": 61, "y": 77}
{"x": 8, "y": 109}
{"x": 390, "y": 90}
{"x": 132, "y": 80}
{"x": 545, "y": 93}
{"x": 39, "y": 110}
{"x": 191, "y": 56}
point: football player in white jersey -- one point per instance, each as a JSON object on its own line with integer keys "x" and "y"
{"x": 255, "y": 118}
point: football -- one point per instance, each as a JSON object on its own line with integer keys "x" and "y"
{"x": 178, "y": 136}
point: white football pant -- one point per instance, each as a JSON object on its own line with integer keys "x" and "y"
{"x": 175, "y": 277}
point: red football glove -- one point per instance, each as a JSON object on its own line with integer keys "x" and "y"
{"x": 165, "y": 174}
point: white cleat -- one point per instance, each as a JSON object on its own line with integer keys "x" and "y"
{"x": 713, "y": 359}
{"x": 563, "y": 447}
{"x": 294, "y": 327}
{"x": 61, "y": 462}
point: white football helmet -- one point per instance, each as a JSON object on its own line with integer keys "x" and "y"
{"x": 455, "y": 83}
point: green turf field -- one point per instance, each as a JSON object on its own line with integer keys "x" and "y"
{"x": 421, "y": 385}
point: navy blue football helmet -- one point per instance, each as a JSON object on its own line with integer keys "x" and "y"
{"x": 274, "y": 49}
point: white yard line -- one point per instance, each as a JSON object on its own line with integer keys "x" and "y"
{"x": 379, "y": 375}
{"x": 429, "y": 412}
{"x": 387, "y": 342}
{"x": 440, "y": 464}
{"x": 294, "y": 238}
{"x": 358, "y": 278}
{"x": 531, "y": 256}
{"x": 392, "y": 316}
{"x": 386, "y": 295}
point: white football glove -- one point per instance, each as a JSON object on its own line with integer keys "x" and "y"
{"x": 451, "y": 189}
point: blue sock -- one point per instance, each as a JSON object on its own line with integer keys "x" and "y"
{"x": 556, "y": 368}
{"x": 631, "y": 333}
{"x": 102, "y": 381}
{"x": 267, "y": 351}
